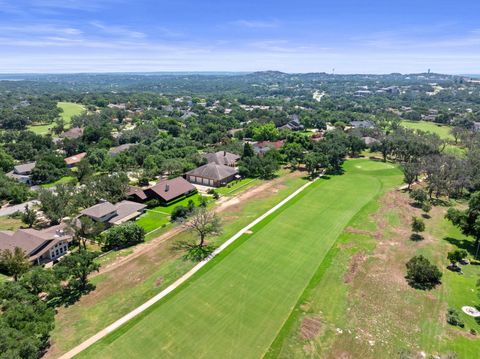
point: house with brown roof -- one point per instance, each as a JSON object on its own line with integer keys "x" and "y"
{"x": 41, "y": 246}
{"x": 167, "y": 191}
{"x": 262, "y": 147}
{"x": 74, "y": 160}
{"x": 111, "y": 214}
{"x": 136, "y": 194}
{"x": 222, "y": 158}
{"x": 212, "y": 174}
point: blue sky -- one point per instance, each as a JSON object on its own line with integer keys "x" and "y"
{"x": 377, "y": 36}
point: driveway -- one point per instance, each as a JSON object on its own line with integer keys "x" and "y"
{"x": 6, "y": 211}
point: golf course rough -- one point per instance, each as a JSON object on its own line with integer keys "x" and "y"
{"x": 237, "y": 304}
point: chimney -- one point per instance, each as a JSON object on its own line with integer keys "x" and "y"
{"x": 167, "y": 187}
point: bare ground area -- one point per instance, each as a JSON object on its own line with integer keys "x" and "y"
{"x": 381, "y": 315}
{"x": 310, "y": 327}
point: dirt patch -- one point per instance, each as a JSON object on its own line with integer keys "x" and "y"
{"x": 310, "y": 327}
{"x": 159, "y": 282}
{"x": 358, "y": 231}
{"x": 355, "y": 263}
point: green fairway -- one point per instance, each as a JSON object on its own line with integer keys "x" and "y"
{"x": 442, "y": 131}
{"x": 70, "y": 109}
{"x": 236, "y": 305}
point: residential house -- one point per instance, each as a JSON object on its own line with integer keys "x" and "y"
{"x": 73, "y": 133}
{"x": 169, "y": 190}
{"x": 294, "y": 124}
{"x": 41, "y": 246}
{"x": 114, "y": 151}
{"x": 74, "y": 160}
{"x": 362, "y": 124}
{"x": 22, "y": 172}
{"x": 262, "y": 147}
{"x": 370, "y": 141}
{"x": 212, "y": 174}
{"x": 136, "y": 194}
{"x": 222, "y": 158}
{"x": 111, "y": 214}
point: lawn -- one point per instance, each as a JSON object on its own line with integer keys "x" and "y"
{"x": 236, "y": 305}
{"x": 442, "y": 131}
{"x": 70, "y": 109}
{"x": 131, "y": 284}
{"x": 9, "y": 223}
{"x": 151, "y": 220}
{"x": 234, "y": 186}
{"x": 63, "y": 180}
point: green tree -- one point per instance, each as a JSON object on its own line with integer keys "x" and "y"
{"x": 418, "y": 225}
{"x": 468, "y": 220}
{"x": 123, "y": 235}
{"x": 85, "y": 229}
{"x": 457, "y": 255}
{"x": 422, "y": 274}
{"x": 14, "y": 262}
{"x": 29, "y": 216}
{"x": 40, "y": 280}
{"x": 248, "y": 150}
{"x": 419, "y": 196}
{"x": 6, "y": 161}
{"x": 76, "y": 267}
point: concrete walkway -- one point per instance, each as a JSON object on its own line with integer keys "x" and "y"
{"x": 101, "y": 334}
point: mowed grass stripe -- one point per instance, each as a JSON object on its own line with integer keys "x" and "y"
{"x": 236, "y": 308}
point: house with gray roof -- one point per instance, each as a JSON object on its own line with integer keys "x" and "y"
{"x": 119, "y": 149}
{"x": 22, "y": 172}
{"x": 362, "y": 124}
{"x": 222, "y": 158}
{"x": 111, "y": 214}
{"x": 212, "y": 174}
{"x": 41, "y": 246}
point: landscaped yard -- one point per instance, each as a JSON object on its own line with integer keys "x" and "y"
{"x": 441, "y": 130}
{"x": 236, "y": 305}
{"x": 63, "y": 180}
{"x": 152, "y": 220}
{"x": 70, "y": 109}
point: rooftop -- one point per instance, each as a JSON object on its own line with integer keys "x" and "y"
{"x": 213, "y": 171}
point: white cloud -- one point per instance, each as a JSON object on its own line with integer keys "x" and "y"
{"x": 256, "y": 24}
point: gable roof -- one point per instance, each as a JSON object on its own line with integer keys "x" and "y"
{"x": 136, "y": 191}
{"x": 213, "y": 171}
{"x": 35, "y": 243}
{"x": 24, "y": 168}
{"x": 222, "y": 158}
{"x": 172, "y": 188}
{"x": 99, "y": 210}
{"x": 126, "y": 210}
{"x": 75, "y": 158}
{"x": 73, "y": 133}
{"x": 121, "y": 148}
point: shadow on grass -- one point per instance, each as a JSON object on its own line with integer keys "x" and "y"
{"x": 426, "y": 216}
{"x": 416, "y": 237}
{"x": 468, "y": 245}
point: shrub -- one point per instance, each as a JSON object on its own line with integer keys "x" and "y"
{"x": 153, "y": 203}
{"x": 422, "y": 274}
{"x": 453, "y": 318}
{"x": 419, "y": 196}
{"x": 179, "y": 212}
{"x": 123, "y": 235}
{"x": 418, "y": 225}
